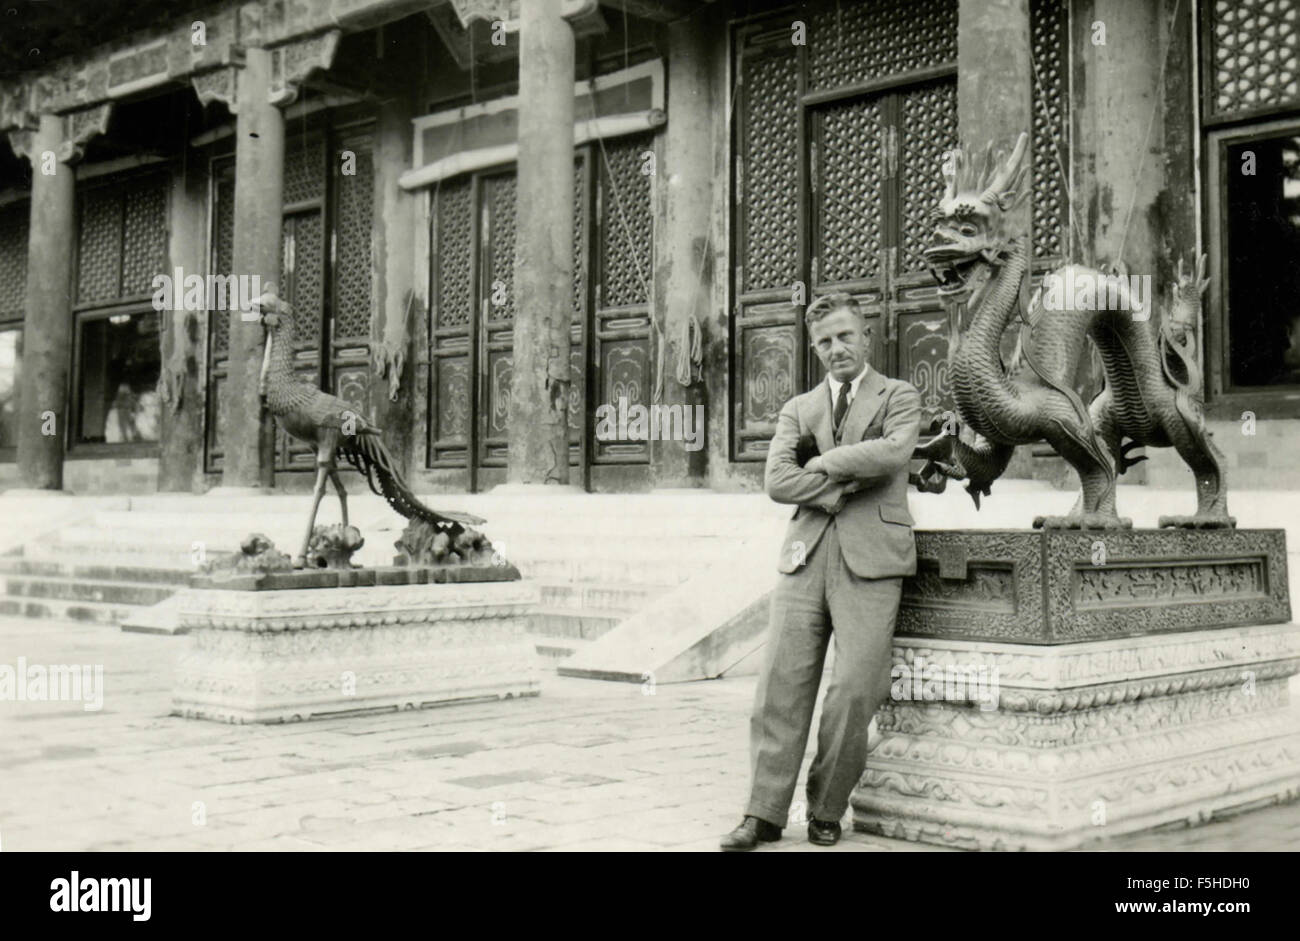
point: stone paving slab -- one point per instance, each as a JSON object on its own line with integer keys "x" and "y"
{"x": 587, "y": 766}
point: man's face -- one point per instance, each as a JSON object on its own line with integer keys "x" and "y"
{"x": 841, "y": 343}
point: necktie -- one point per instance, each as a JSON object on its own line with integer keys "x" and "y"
{"x": 841, "y": 405}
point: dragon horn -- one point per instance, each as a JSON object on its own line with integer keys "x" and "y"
{"x": 1007, "y": 172}
{"x": 951, "y": 167}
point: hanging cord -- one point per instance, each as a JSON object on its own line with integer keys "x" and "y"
{"x": 1151, "y": 123}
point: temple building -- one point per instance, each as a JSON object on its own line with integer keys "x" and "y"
{"x": 449, "y": 191}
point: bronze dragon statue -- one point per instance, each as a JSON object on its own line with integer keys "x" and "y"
{"x": 1153, "y": 393}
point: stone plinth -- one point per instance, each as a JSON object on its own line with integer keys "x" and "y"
{"x": 286, "y": 654}
{"x": 1087, "y": 740}
{"x": 1029, "y": 712}
{"x": 1064, "y": 586}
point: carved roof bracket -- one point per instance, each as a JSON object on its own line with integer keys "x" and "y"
{"x": 293, "y": 62}
{"x": 80, "y": 127}
{"x": 221, "y": 84}
{"x": 507, "y": 12}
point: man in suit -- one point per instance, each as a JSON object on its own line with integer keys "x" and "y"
{"x": 840, "y": 454}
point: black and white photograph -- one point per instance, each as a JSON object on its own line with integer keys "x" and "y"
{"x": 644, "y": 426}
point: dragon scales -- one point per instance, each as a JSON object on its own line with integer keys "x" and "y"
{"x": 1153, "y": 394}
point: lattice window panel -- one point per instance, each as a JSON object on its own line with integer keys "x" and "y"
{"x": 13, "y": 261}
{"x": 1050, "y": 199}
{"x": 99, "y": 246}
{"x": 770, "y": 250}
{"x": 627, "y": 226}
{"x": 928, "y": 117}
{"x": 144, "y": 239}
{"x": 122, "y": 240}
{"x": 353, "y": 271}
{"x": 853, "y": 42}
{"x": 306, "y": 232}
{"x": 1254, "y": 54}
{"x": 455, "y": 252}
{"x": 224, "y": 260}
{"x": 502, "y": 196}
{"x": 850, "y": 181}
{"x": 304, "y": 172}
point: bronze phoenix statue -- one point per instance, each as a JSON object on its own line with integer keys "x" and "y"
{"x": 335, "y": 430}
{"x": 1153, "y": 393}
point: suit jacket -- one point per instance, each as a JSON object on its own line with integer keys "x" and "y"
{"x": 874, "y": 448}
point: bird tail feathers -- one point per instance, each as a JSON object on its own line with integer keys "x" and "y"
{"x": 368, "y": 455}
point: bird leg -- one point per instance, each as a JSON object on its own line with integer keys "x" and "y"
{"x": 321, "y": 471}
{"x": 326, "y": 443}
{"x": 343, "y": 494}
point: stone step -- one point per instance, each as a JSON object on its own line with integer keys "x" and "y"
{"x": 76, "y": 589}
{"x": 616, "y": 598}
{"x": 577, "y": 523}
{"x": 560, "y": 648}
{"x": 640, "y": 562}
{"x": 568, "y": 623}
{"x": 56, "y": 609}
{"x": 516, "y": 545}
{"x": 112, "y": 556}
{"x": 63, "y": 568}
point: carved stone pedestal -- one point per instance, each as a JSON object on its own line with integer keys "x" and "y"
{"x": 289, "y": 654}
{"x": 1063, "y": 725}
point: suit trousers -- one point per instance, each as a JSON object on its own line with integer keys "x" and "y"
{"x": 822, "y": 598}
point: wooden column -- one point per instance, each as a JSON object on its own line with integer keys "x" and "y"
{"x": 180, "y": 445}
{"x": 259, "y": 186}
{"x": 47, "y": 326}
{"x": 683, "y": 278}
{"x": 539, "y": 390}
{"x": 398, "y": 309}
{"x": 995, "y": 80}
{"x": 1119, "y": 168}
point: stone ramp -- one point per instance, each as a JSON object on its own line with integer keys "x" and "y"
{"x": 705, "y": 627}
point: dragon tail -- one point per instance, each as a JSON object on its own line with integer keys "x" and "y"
{"x": 367, "y": 453}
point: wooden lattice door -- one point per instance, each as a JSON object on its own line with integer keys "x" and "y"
{"x": 838, "y": 147}
{"x": 873, "y": 184}
{"x": 471, "y": 332}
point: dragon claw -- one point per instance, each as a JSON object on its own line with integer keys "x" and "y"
{"x": 1198, "y": 521}
{"x": 1082, "y": 521}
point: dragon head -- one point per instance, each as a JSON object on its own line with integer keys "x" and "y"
{"x": 970, "y": 228}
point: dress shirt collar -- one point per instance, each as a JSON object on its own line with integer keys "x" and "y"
{"x": 834, "y": 384}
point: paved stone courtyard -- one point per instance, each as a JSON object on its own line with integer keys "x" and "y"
{"x": 588, "y": 765}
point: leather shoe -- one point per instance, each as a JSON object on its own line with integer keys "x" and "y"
{"x": 749, "y": 834}
{"x": 823, "y": 833}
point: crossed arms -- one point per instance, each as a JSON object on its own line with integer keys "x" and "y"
{"x": 827, "y": 480}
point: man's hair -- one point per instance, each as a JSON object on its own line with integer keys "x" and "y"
{"x": 828, "y": 304}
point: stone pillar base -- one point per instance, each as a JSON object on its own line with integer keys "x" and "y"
{"x": 286, "y": 655}
{"x": 1076, "y": 742}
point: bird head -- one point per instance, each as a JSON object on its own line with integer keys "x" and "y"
{"x": 271, "y": 311}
